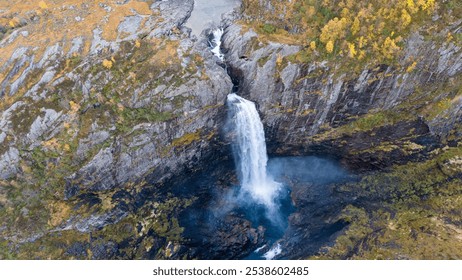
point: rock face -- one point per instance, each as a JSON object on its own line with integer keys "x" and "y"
{"x": 398, "y": 124}
{"x": 314, "y": 108}
{"x": 109, "y": 113}
{"x": 197, "y": 95}
{"x": 125, "y": 100}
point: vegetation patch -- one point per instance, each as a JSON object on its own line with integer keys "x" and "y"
{"x": 356, "y": 32}
{"x": 187, "y": 139}
{"x": 413, "y": 212}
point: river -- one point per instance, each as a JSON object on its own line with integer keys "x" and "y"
{"x": 209, "y": 12}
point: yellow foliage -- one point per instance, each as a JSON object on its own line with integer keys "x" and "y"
{"x": 426, "y": 4}
{"x": 107, "y": 64}
{"x": 430, "y": 5}
{"x": 167, "y": 55}
{"x": 360, "y": 28}
{"x": 405, "y": 18}
{"x": 59, "y": 212}
{"x": 311, "y": 11}
{"x": 330, "y": 47}
{"x": 14, "y": 22}
{"x": 279, "y": 60}
{"x": 411, "y": 6}
{"x": 411, "y": 67}
{"x": 66, "y": 147}
{"x": 43, "y": 5}
{"x": 356, "y": 26}
{"x": 187, "y": 139}
{"x": 389, "y": 48}
{"x": 352, "y": 50}
{"x": 51, "y": 144}
{"x": 137, "y": 43}
{"x": 74, "y": 107}
{"x": 362, "y": 42}
{"x": 313, "y": 45}
{"x": 333, "y": 30}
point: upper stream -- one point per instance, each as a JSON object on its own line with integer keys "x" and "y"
{"x": 208, "y": 13}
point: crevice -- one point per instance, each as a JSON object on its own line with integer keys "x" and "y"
{"x": 237, "y": 77}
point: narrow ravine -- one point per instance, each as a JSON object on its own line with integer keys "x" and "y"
{"x": 247, "y": 212}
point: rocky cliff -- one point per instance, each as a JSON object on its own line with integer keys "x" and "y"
{"x": 395, "y": 121}
{"x": 322, "y": 107}
{"x": 101, "y": 104}
{"x": 110, "y": 110}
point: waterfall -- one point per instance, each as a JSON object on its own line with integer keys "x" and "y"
{"x": 216, "y": 43}
{"x": 249, "y": 149}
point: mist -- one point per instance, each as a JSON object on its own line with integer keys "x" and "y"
{"x": 308, "y": 169}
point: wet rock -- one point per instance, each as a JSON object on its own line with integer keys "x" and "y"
{"x": 313, "y": 224}
{"x": 232, "y": 237}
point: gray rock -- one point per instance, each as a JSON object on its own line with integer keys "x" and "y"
{"x": 295, "y": 106}
{"x": 93, "y": 140}
{"x": 93, "y": 222}
{"x": 2, "y": 137}
{"x": 130, "y": 26}
{"x": 174, "y": 13}
{"x": 9, "y": 163}
{"x": 44, "y": 128}
{"x": 98, "y": 174}
{"x": 77, "y": 44}
{"x": 98, "y": 43}
{"x": 50, "y": 57}
{"x": 18, "y": 60}
{"x": 14, "y": 87}
{"x": 46, "y": 78}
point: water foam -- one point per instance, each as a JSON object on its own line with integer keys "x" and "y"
{"x": 216, "y": 43}
{"x": 273, "y": 252}
{"x": 249, "y": 149}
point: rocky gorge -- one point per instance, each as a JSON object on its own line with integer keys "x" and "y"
{"x": 113, "y": 143}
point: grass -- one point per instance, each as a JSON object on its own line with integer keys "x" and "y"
{"x": 413, "y": 212}
{"x": 187, "y": 139}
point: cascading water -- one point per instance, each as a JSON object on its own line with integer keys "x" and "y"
{"x": 258, "y": 189}
{"x": 249, "y": 148}
{"x": 251, "y": 220}
{"x": 216, "y": 43}
{"x": 249, "y": 145}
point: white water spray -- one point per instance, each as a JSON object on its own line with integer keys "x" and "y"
{"x": 273, "y": 252}
{"x": 250, "y": 153}
{"x": 216, "y": 43}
